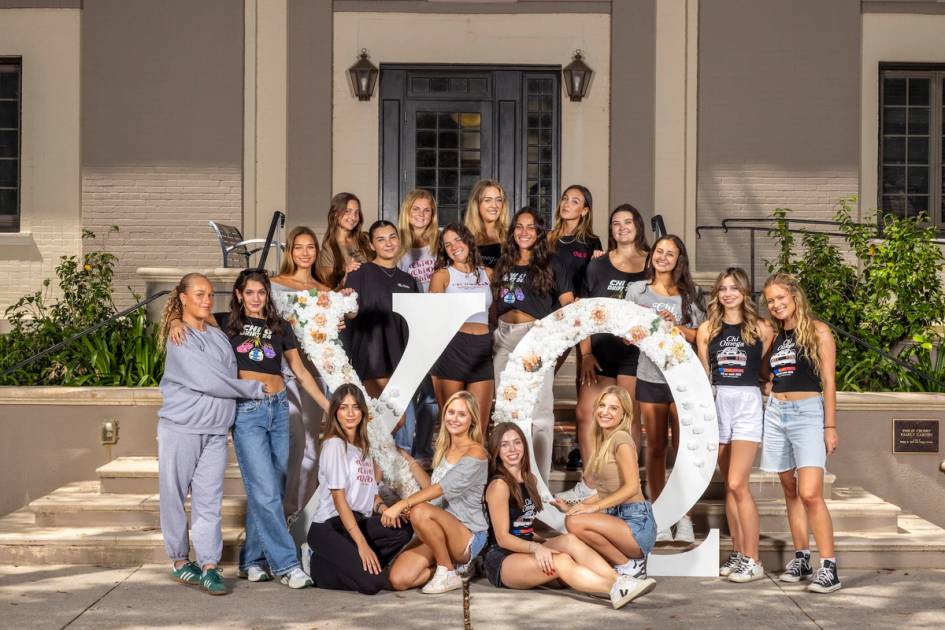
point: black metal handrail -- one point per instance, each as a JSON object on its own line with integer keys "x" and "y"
{"x": 277, "y": 218}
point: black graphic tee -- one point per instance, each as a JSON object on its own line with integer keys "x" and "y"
{"x": 516, "y": 293}
{"x": 731, "y": 360}
{"x": 573, "y": 257}
{"x": 257, "y": 348}
{"x": 790, "y": 367}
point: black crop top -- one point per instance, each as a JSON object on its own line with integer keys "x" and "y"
{"x": 791, "y": 368}
{"x": 490, "y": 254}
{"x": 516, "y": 294}
{"x": 521, "y": 519}
{"x": 257, "y": 348}
{"x": 731, "y": 360}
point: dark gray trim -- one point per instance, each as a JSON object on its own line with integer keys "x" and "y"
{"x": 521, "y": 6}
{"x": 929, "y": 7}
{"x": 308, "y": 112}
{"x": 40, "y": 4}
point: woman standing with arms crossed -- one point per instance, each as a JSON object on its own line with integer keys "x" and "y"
{"x": 447, "y": 515}
{"x": 801, "y": 426}
{"x": 670, "y": 292}
{"x": 731, "y": 343}
{"x": 344, "y": 247}
{"x": 351, "y": 546}
{"x": 200, "y": 389}
{"x": 466, "y": 363}
{"x": 517, "y": 556}
{"x": 605, "y": 359}
{"x": 527, "y": 286}
{"x": 487, "y": 216}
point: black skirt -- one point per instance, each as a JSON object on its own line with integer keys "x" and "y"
{"x": 614, "y": 357}
{"x": 653, "y": 392}
{"x": 467, "y": 359}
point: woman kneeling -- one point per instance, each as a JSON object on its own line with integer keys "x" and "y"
{"x": 626, "y": 532}
{"x": 447, "y": 515}
{"x": 517, "y": 557}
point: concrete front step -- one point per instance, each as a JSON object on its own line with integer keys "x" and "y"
{"x": 81, "y": 504}
{"x": 24, "y": 542}
{"x": 139, "y": 475}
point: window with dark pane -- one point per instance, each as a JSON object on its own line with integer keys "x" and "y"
{"x": 448, "y": 160}
{"x": 540, "y": 97}
{"x": 10, "y": 125}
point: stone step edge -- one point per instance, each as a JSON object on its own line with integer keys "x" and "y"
{"x": 69, "y": 501}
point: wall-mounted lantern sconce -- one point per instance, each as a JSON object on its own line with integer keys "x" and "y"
{"x": 577, "y": 77}
{"x": 363, "y": 76}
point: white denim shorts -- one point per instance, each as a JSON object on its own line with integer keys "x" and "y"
{"x": 741, "y": 414}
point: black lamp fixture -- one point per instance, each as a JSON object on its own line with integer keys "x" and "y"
{"x": 577, "y": 77}
{"x": 363, "y": 76}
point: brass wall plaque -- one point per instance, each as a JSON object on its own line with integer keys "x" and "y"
{"x": 915, "y": 436}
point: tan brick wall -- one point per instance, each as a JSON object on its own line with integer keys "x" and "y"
{"x": 162, "y": 213}
{"x": 756, "y": 192}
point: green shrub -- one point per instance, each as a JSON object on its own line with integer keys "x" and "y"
{"x": 124, "y": 352}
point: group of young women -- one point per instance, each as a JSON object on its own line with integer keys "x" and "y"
{"x": 242, "y": 370}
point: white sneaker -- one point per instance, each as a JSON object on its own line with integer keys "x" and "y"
{"x": 664, "y": 535}
{"x": 443, "y": 580}
{"x": 747, "y": 571}
{"x": 729, "y": 566}
{"x": 296, "y": 578}
{"x": 635, "y": 567}
{"x": 578, "y": 493}
{"x": 306, "y": 553}
{"x": 255, "y": 573}
{"x": 626, "y": 589}
{"x": 684, "y": 533}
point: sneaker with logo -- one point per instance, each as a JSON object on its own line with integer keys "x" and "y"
{"x": 254, "y": 573}
{"x": 627, "y": 588}
{"x": 578, "y": 493}
{"x": 684, "y": 533}
{"x": 296, "y": 578}
{"x": 635, "y": 567}
{"x": 797, "y": 569}
{"x": 826, "y": 579}
{"x": 212, "y": 582}
{"x": 747, "y": 571}
{"x": 188, "y": 573}
{"x": 443, "y": 580}
{"x": 734, "y": 559}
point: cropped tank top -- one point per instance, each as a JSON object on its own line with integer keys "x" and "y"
{"x": 731, "y": 360}
{"x": 792, "y": 370}
{"x": 475, "y": 282}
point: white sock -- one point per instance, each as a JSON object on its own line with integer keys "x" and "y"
{"x": 822, "y": 560}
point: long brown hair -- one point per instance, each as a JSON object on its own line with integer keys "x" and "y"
{"x": 443, "y": 439}
{"x": 430, "y": 233}
{"x": 805, "y": 332}
{"x": 601, "y": 451}
{"x": 682, "y": 278}
{"x": 475, "y": 259}
{"x": 541, "y": 276}
{"x": 287, "y": 268}
{"x": 339, "y": 203}
{"x": 174, "y": 308}
{"x": 334, "y": 429}
{"x": 472, "y": 219}
{"x": 715, "y": 312}
{"x": 585, "y": 227}
{"x": 639, "y": 241}
{"x": 237, "y": 318}
{"x": 498, "y": 469}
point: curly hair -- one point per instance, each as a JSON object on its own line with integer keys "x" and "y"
{"x": 805, "y": 332}
{"x": 174, "y": 307}
{"x": 474, "y": 257}
{"x": 237, "y": 318}
{"x": 540, "y": 273}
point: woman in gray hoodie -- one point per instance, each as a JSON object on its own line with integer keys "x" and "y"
{"x": 200, "y": 389}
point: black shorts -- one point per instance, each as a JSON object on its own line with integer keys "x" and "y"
{"x": 467, "y": 359}
{"x": 614, "y": 356}
{"x": 653, "y": 392}
{"x": 494, "y": 558}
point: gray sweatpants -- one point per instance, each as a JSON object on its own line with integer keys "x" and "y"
{"x": 505, "y": 338}
{"x": 194, "y": 463}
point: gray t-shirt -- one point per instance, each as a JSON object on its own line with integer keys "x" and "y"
{"x": 641, "y": 293}
{"x": 463, "y": 484}
{"x": 419, "y": 262}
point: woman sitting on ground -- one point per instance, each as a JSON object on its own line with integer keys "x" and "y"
{"x": 351, "y": 547}
{"x": 447, "y": 515}
{"x": 519, "y": 558}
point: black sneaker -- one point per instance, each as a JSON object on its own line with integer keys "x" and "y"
{"x": 826, "y": 579}
{"x": 797, "y": 569}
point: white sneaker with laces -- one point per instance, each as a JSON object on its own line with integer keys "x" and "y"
{"x": 627, "y": 588}
{"x": 578, "y": 493}
{"x": 664, "y": 535}
{"x": 734, "y": 559}
{"x": 684, "y": 531}
{"x": 747, "y": 571}
{"x": 296, "y": 578}
{"x": 443, "y": 580}
{"x": 255, "y": 573}
{"x": 635, "y": 567}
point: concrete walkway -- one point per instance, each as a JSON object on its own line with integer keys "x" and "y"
{"x": 40, "y": 597}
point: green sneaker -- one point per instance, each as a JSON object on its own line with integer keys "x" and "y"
{"x": 187, "y": 574}
{"x": 213, "y": 583}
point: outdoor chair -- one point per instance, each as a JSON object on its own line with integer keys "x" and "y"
{"x": 236, "y": 251}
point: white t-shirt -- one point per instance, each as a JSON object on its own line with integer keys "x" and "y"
{"x": 341, "y": 466}
{"x": 419, "y": 262}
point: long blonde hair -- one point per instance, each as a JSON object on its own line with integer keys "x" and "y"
{"x": 585, "y": 228}
{"x": 287, "y": 268}
{"x": 174, "y": 307}
{"x": 715, "y": 312}
{"x": 603, "y": 444}
{"x": 805, "y": 332}
{"x": 443, "y": 439}
{"x": 472, "y": 219}
{"x": 430, "y": 233}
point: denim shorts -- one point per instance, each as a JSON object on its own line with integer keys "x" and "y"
{"x": 477, "y": 543}
{"x": 639, "y": 517}
{"x": 793, "y": 435}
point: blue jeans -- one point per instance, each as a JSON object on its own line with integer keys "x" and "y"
{"x": 793, "y": 435}
{"x": 261, "y": 438}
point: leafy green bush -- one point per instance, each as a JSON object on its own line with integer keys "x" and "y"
{"x": 886, "y": 290}
{"x": 124, "y": 352}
